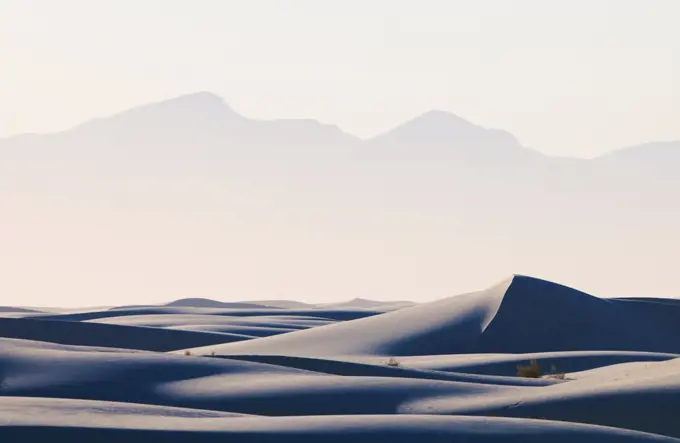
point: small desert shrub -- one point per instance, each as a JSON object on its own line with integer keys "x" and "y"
{"x": 558, "y": 376}
{"x": 393, "y": 362}
{"x": 532, "y": 370}
{"x": 555, "y": 374}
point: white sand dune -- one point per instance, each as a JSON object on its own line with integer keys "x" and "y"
{"x": 329, "y": 388}
{"x": 255, "y": 326}
{"x": 208, "y": 303}
{"x": 442, "y": 371}
{"x": 166, "y": 328}
{"x": 17, "y": 314}
{"x": 10, "y": 309}
{"x": 242, "y": 330}
{"x": 519, "y": 315}
{"x": 382, "y": 369}
{"x": 114, "y": 336}
{"x": 332, "y": 429}
{"x": 173, "y": 320}
{"x": 197, "y": 302}
{"x": 642, "y": 396}
{"x": 102, "y": 412}
{"x": 329, "y": 314}
{"x": 285, "y": 304}
{"x": 363, "y": 303}
{"x": 209, "y": 383}
{"x": 506, "y": 364}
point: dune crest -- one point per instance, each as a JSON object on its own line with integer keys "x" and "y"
{"x": 607, "y": 371}
{"x": 519, "y": 315}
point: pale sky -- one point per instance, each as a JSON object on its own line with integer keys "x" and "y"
{"x": 577, "y": 77}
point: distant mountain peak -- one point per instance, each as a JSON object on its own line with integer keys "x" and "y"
{"x": 433, "y": 122}
{"x": 200, "y": 95}
{"x": 439, "y": 117}
{"x": 442, "y": 128}
{"x": 200, "y": 98}
{"x": 203, "y": 107}
{"x": 203, "y": 101}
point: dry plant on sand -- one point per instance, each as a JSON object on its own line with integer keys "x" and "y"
{"x": 393, "y": 362}
{"x": 555, "y": 374}
{"x": 532, "y": 370}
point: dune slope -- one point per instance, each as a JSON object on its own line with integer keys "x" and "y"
{"x": 609, "y": 371}
{"x": 519, "y": 315}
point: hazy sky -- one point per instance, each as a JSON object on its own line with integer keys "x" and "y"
{"x": 571, "y": 77}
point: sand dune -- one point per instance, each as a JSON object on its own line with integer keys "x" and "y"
{"x": 227, "y": 385}
{"x": 356, "y": 303}
{"x": 519, "y": 315}
{"x": 209, "y": 383}
{"x": 330, "y": 314}
{"x": 642, "y": 396}
{"x": 170, "y": 320}
{"x": 381, "y": 369}
{"x": 114, "y": 336}
{"x": 10, "y": 309}
{"x": 333, "y": 429}
{"x": 363, "y": 303}
{"x": 207, "y": 303}
{"x": 506, "y": 364}
{"x": 285, "y": 304}
{"x": 199, "y": 303}
{"x": 442, "y": 371}
{"x": 255, "y": 326}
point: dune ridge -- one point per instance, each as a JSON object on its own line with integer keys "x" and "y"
{"x": 519, "y": 315}
{"x": 609, "y": 371}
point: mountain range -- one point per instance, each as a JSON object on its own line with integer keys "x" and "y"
{"x": 187, "y": 198}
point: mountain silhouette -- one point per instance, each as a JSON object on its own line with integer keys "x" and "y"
{"x": 200, "y": 197}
